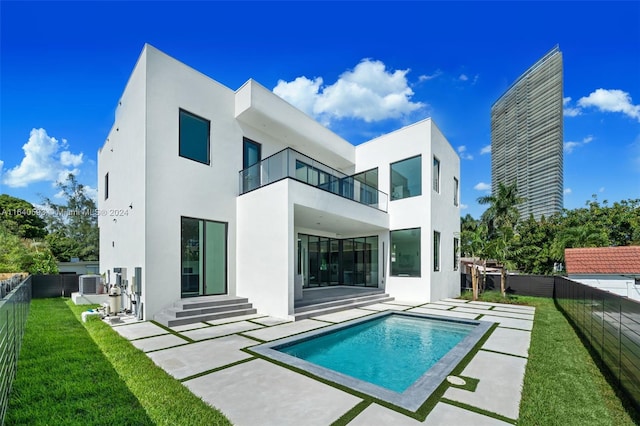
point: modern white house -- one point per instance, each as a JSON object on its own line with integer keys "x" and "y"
{"x": 614, "y": 269}
{"x": 212, "y": 191}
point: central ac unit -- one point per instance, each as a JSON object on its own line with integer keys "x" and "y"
{"x": 89, "y": 284}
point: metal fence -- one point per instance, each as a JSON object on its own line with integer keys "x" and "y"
{"x": 62, "y": 285}
{"x": 610, "y": 324}
{"x": 14, "y": 309}
{"x": 518, "y": 285}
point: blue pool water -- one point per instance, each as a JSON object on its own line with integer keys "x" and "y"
{"x": 391, "y": 352}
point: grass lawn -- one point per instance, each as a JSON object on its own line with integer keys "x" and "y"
{"x": 68, "y": 374}
{"x": 563, "y": 384}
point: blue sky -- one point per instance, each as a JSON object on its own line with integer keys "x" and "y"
{"x": 362, "y": 68}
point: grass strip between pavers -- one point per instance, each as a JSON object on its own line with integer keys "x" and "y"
{"x": 165, "y": 400}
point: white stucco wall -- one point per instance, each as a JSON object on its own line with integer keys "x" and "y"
{"x": 122, "y": 215}
{"x": 428, "y": 211}
{"x": 617, "y": 284}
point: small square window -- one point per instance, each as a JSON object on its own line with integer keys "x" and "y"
{"x": 406, "y": 178}
{"x": 194, "y": 137}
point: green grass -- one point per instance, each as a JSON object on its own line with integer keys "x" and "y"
{"x": 74, "y": 374}
{"x": 563, "y": 384}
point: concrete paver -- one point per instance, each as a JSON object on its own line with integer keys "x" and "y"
{"x": 344, "y": 315}
{"x": 510, "y": 322}
{"x": 385, "y": 307}
{"x": 499, "y": 387}
{"x": 503, "y": 306}
{"x": 509, "y": 341}
{"x": 436, "y": 306}
{"x": 285, "y": 330}
{"x": 261, "y": 393}
{"x": 220, "y": 330}
{"x": 158, "y": 342}
{"x": 446, "y": 415}
{"x": 521, "y": 309}
{"x": 235, "y": 319}
{"x": 188, "y": 327}
{"x": 270, "y": 321}
{"x": 185, "y": 361}
{"x": 518, "y": 315}
{"x": 442, "y": 313}
{"x": 139, "y": 330}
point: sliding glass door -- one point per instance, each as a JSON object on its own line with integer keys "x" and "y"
{"x": 331, "y": 261}
{"x": 203, "y": 257}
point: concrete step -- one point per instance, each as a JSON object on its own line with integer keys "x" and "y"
{"x": 172, "y": 321}
{"x": 349, "y": 304}
{"x": 208, "y": 301}
{"x": 329, "y": 302}
{"x": 207, "y": 310}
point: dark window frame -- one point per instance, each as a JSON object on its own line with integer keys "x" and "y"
{"x": 437, "y": 243}
{"x": 184, "y": 111}
{"x": 391, "y": 253}
{"x": 106, "y": 186}
{"x": 391, "y": 193}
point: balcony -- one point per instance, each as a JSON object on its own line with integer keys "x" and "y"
{"x": 289, "y": 163}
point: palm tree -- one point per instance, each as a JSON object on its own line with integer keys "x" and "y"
{"x": 501, "y": 218}
{"x": 578, "y": 236}
{"x": 503, "y": 208}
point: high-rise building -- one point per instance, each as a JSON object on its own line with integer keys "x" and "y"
{"x": 526, "y": 137}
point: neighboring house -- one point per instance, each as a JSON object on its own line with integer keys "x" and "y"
{"x": 79, "y": 267}
{"x": 212, "y": 191}
{"x": 615, "y": 269}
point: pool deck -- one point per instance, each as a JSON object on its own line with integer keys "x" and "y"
{"x": 209, "y": 360}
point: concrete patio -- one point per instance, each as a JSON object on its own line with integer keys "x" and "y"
{"x": 209, "y": 360}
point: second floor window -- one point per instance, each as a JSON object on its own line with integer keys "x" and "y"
{"x": 436, "y": 174}
{"x": 194, "y": 137}
{"x": 406, "y": 178}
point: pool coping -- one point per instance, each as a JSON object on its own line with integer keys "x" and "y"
{"x": 414, "y": 396}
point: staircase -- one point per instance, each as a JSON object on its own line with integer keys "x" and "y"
{"x": 206, "y": 308}
{"x": 330, "y": 305}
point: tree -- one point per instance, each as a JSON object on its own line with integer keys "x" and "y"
{"x": 24, "y": 255}
{"x": 501, "y": 218}
{"x": 587, "y": 235}
{"x": 19, "y": 217}
{"x": 73, "y": 226}
{"x": 503, "y": 208}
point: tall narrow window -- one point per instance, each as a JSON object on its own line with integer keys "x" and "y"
{"x": 251, "y": 156}
{"x": 106, "y": 186}
{"x": 194, "y": 137}
{"x": 436, "y": 174}
{"x": 405, "y": 253}
{"x": 406, "y": 178}
{"x": 456, "y": 253}
{"x": 456, "y": 188}
{"x": 436, "y": 251}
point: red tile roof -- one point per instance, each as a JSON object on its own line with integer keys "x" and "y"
{"x": 603, "y": 260}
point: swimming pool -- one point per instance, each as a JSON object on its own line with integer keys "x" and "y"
{"x": 399, "y": 357}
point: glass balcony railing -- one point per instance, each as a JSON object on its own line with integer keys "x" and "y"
{"x": 289, "y": 163}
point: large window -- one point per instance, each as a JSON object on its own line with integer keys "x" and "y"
{"x": 203, "y": 257}
{"x": 406, "y": 178}
{"x": 456, "y": 253}
{"x": 194, "y": 137}
{"x": 405, "y": 253}
{"x": 436, "y": 174}
{"x": 436, "y": 251}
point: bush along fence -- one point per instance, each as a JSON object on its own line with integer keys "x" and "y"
{"x": 14, "y": 309}
{"x": 611, "y": 326}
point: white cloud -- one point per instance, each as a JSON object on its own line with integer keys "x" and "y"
{"x": 481, "y": 186}
{"x": 464, "y": 206}
{"x": 462, "y": 151}
{"x": 485, "y": 150}
{"x": 44, "y": 160}
{"x": 568, "y": 110}
{"x": 601, "y": 189}
{"x": 571, "y": 145}
{"x": 463, "y": 77}
{"x": 368, "y": 92}
{"x": 611, "y": 101}
{"x": 567, "y": 191}
{"x": 425, "y": 77}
